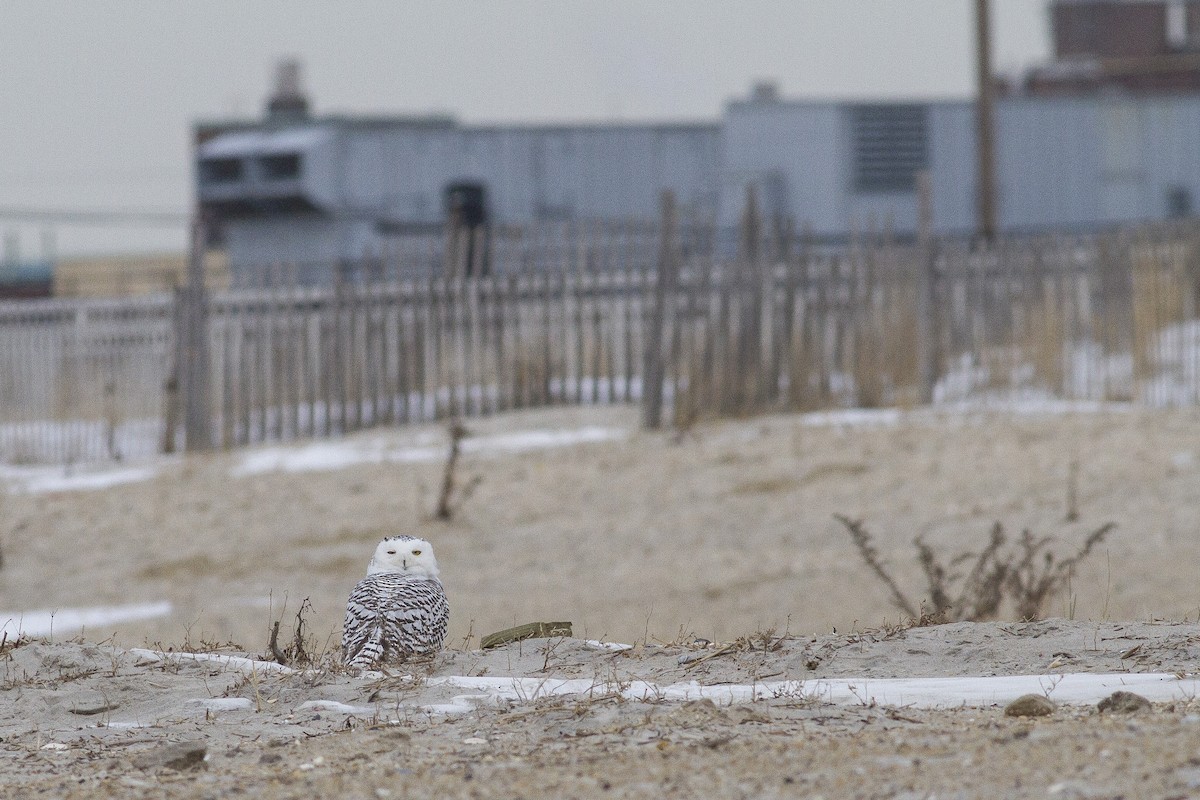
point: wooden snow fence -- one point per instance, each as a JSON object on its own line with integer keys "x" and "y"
{"x": 688, "y": 321}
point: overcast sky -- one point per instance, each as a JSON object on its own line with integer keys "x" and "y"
{"x": 97, "y": 98}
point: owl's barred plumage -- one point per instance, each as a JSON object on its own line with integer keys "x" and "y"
{"x": 390, "y": 615}
{"x": 399, "y": 609}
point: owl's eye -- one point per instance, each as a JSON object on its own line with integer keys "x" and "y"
{"x": 391, "y": 552}
{"x": 416, "y": 552}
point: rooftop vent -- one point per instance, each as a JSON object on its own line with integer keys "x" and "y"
{"x": 764, "y": 92}
{"x": 288, "y": 101}
{"x": 890, "y": 147}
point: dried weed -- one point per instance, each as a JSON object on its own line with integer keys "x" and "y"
{"x": 1026, "y": 575}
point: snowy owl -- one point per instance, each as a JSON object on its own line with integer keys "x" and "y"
{"x": 399, "y": 609}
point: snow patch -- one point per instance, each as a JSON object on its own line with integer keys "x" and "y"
{"x": 239, "y": 663}
{"x": 47, "y": 621}
{"x": 596, "y": 644}
{"x": 332, "y": 455}
{"x": 221, "y": 703}
{"x": 39, "y": 480}
{"x": 334, "y": 707}
{"x": 1072, "y": 689}
{"x": 466, "y": 703}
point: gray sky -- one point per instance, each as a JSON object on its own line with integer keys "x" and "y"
{"x": 97, "y": 98}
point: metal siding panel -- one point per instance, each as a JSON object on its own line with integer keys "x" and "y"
{"x": 685, "y": 169}
{"x": 362, "y": 179}
{"x": 1121, "y": 147}
{"x": 320, "y": 178}
{"x": 804, "y": 144}
{"x": 1172, "y": 134}
{"x": 296, "y": 240}
{"x": 1046, "y": 163}
{"x": 952, "y": 166}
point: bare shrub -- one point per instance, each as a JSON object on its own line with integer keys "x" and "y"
{"x": 451, "y": 496}
{"x": 1031, "y": 584}
{"x": 1027, "y": 575}
{"x": 300, "y": 651}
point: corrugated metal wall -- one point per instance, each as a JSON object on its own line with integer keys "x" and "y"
{"x": 531, "y": 173}
{"x": 1073, "y": 163}
{"x": 1062, "y": 162}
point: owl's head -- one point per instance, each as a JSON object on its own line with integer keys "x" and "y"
{"x": 406, "y": 554}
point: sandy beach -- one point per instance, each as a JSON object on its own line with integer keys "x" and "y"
{"x": 721, "y": 540}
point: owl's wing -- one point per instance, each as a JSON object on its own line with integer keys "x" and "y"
{"x": 416, "y": 617}
{"x": 362, "y": 620}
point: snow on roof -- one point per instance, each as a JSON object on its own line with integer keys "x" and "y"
{"x": 264, "y": 142}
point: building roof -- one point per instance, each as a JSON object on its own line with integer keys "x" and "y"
{"x": 286, "y": 140}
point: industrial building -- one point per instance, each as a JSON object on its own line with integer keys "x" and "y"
{"x": 1121, "y": 146}
{"x": 335, "y": 188}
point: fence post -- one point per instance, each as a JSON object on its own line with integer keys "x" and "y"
{"x": 926, "y": 280}
{"x": 656, "y": 339}
{"x": 192, "y": 347}
{"x": 747, "y": 375}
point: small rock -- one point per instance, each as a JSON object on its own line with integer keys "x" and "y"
{"x": 176, "y": 755}
{"x": 1030, "y": 705}
{"x": 1123, "y": 703}
{"x": 54, "y": 746}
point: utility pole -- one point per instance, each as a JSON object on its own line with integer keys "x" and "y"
{"x": 985, "y": 125}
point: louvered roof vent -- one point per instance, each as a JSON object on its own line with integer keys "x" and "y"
{"x": 890, "y": 146}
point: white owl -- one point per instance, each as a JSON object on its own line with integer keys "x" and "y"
{"x": 399, "y": 609}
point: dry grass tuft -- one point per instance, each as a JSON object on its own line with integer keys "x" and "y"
{"x": 1026, "y": 575}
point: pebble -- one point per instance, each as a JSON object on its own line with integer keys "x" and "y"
{"x": 1030, "y": 705}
